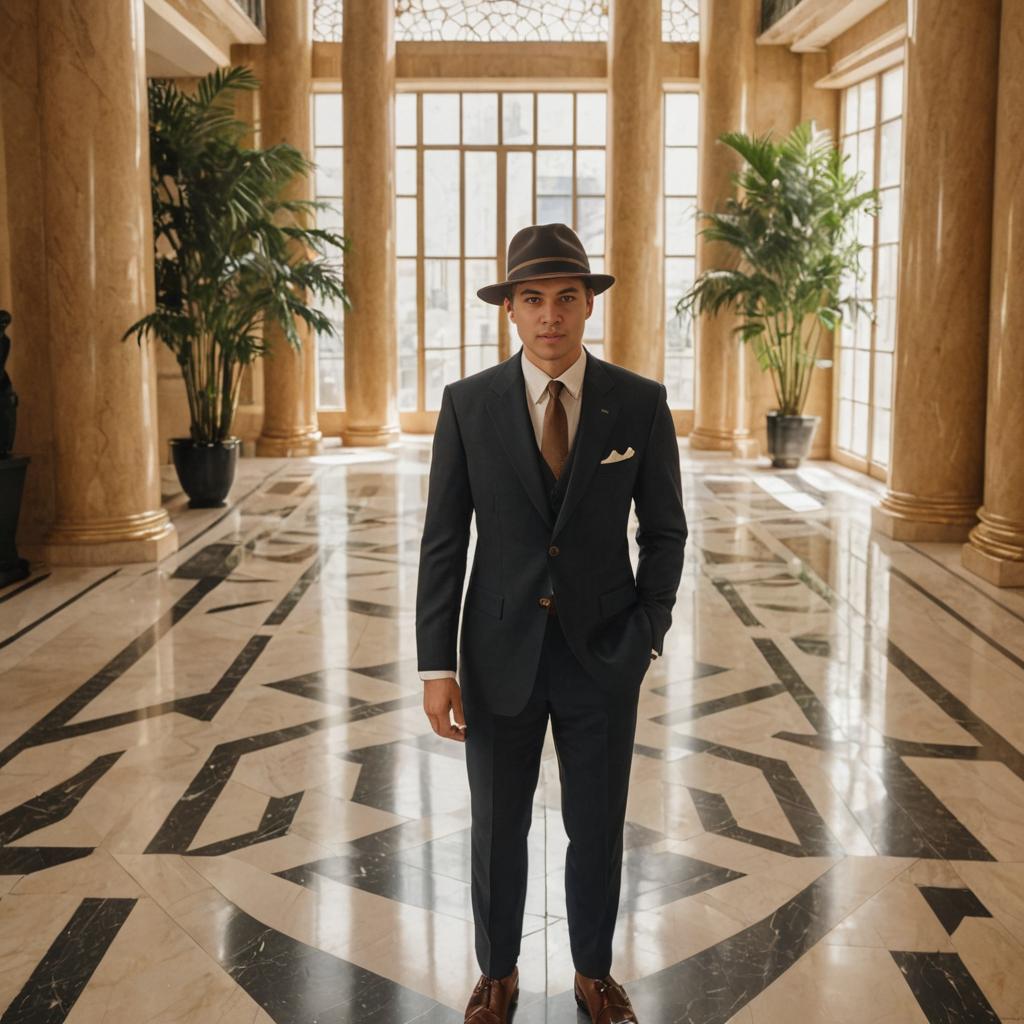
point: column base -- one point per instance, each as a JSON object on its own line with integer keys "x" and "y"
{"x": 995, "y": 550}
{"x": 287, "y": 446}
{"x": 364, "y": 437}
{"x": 146, "y": 537}
{"x": 911, "y": 517}
{"x": 709, "y": 440}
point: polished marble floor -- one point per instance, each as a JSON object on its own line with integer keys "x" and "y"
{"x": 220, "y": 802}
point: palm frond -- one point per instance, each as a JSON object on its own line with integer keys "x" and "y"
{"x": 240, "y": 251}
{"x": 785, "y": 250}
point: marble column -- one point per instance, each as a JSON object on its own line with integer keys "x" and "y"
{"x": 371, "y": 335}
{"x": 935, "y": 475}
{"x": 727, "y": 75}
{"x": 289, "y": 377}
{"x": 99, "y": 266}
{"x": 635, "y": 329}
{"x": 995, "y": 550}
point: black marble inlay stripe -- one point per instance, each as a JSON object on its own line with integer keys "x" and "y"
{"x": 209, "y": 567}
{"x": 285, "y": 486}
{"x": 813, "y": 834}
{"x": 315, "y": 686}
{"x": 944, "y": 988}
{"x": 201, "y": 706}
{"x": 910, "y": 821}
{"x": 654, "y": 879}
{"x": 819, "y": 646}
{"x": 951, "y": 906}
{"x": 287, "y": 603}
{"x": 995, "y": 747}
{"x": 814, "y": 838}
{"x": 292, "y": 557}
{"x": 701, "y": 670}
{"x": 382, "y": 611}
{"x": 53, "y": 611}
{"x": 298, "y": 984}
{"x": 234, "y": 505}
{"x": 42, "y": 810}
{"x": 715, "y": 984}
{"x": 186, "y": 817}
{"x": 62, "y": 974}
{"x": 962, "y": 581}
{"x": 805, "y": 698}
{"x": 277, "y": 818}
{"x": 22, "y": 587}
{"x": 384, "y": 874}
{"x": 391, "y": 671}
{"x": 735, "y": 602}
{"x": 234, "y": 607}
{"x": 726, "y": 703}
{"x": 954, "y": 614}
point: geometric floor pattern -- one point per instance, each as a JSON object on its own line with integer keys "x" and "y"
{"x": 221, "y": 803}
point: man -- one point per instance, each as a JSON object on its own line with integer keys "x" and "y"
{"x": 548, "y": 449}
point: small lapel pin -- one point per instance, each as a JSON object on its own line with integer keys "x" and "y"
{"x": 604, "y": 410}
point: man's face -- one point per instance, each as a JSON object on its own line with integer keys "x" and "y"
{"x": 550, "y": 314}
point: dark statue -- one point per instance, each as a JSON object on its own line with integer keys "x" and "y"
{"x": 12, "y": 469}
{"x": 8, "y": 398}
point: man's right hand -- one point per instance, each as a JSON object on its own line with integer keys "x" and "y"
{"x": 440, "y": 698}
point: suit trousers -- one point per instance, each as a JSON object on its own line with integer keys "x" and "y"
{"x": 593, "y": 733}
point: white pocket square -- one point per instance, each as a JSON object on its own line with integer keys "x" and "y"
{"x": 614, "y": 456}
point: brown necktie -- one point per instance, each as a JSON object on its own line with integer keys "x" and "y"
{"x": 554, "y": 442}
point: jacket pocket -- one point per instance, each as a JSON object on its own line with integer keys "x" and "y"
{"x": 484, "y": 600}
{"x": 614, "y": 600}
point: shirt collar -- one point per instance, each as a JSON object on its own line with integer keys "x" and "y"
{"x": 537, "y": 380}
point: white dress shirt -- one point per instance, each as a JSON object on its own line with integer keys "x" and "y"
{"x": 537, "y": 395}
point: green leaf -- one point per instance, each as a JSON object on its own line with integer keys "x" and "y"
{"x": 782, "y": 249}
{"x": 234, "y": 251}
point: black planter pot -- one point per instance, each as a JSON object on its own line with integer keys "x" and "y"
{"x": 12, "y": 483}
{"x": 206, "y": 471}
{"x": 789, "y": 438}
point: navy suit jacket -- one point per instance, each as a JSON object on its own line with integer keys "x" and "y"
{"x": 484, "y": 461}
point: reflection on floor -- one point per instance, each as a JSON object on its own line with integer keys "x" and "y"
{"x": 220, "y": 800}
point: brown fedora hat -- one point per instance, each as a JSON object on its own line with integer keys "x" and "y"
{"x": 544, "y": 250}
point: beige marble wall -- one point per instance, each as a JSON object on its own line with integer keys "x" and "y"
{"x": 24, "y": 296}
{"x": 469, "y": 61}
{"x": 289, "y": 421}
{"x": 728, "y": 81}
{"x": 99, "y": 269}
{"x": 935, "y": 478}
{"x": 996, "y": 546}
{"x": 634, "y": 324}
{"x": 371, "y": 344}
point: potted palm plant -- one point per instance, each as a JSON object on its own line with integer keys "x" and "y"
{"x": 232, "y": 252}
{"x": 792, "y": 251}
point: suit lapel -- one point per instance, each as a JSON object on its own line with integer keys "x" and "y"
{"x": 507, "y": 408}
{"x": 598, "y": 414}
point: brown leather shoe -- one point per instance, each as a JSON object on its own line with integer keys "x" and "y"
{"x": 492, "y": 998}
{"x": 604, "y": 999}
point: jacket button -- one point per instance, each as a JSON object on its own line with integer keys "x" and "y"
{"x": 552, "y": 550}
{"x": 544, "y": 601}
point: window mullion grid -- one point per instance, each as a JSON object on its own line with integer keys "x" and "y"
{"x": 421, "y": 314}
{"x": 461, "y": 263}
{"x": 875, "y": 232}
